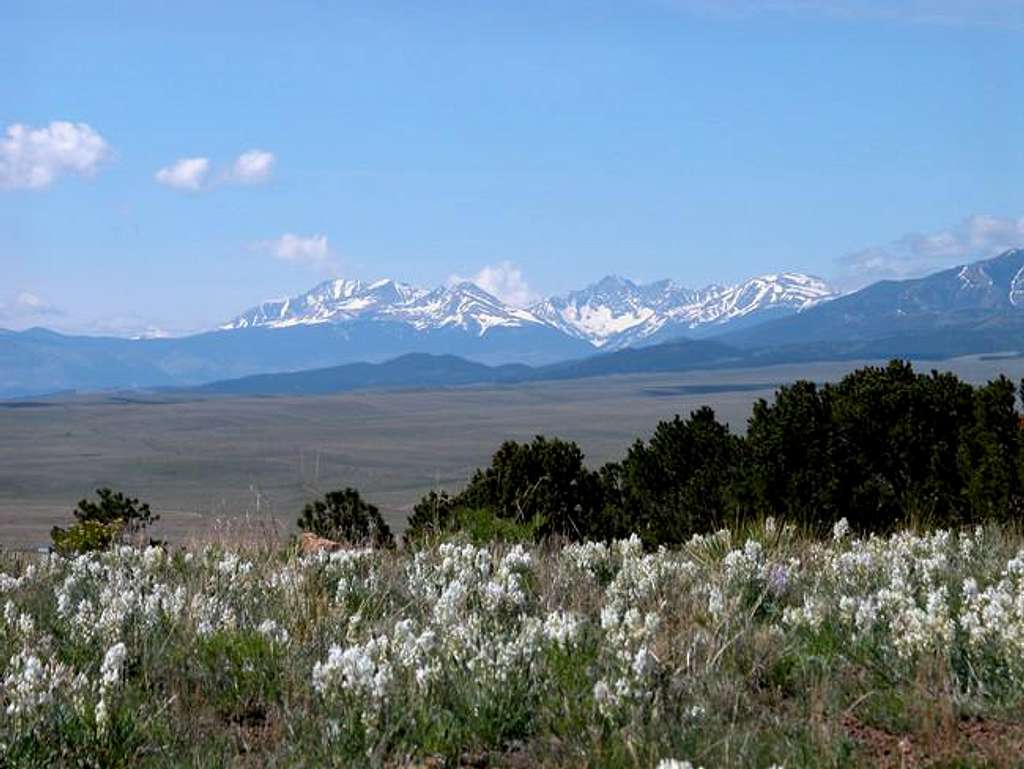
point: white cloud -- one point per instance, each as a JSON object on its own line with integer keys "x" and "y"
{"x": 185, "y": 174}
{"x": 26, "y": 308}
{"x": 33, "y": 158}
{"x": 311, "y": 250}
{"x": 251, "y": 167}
{"x": 977, "y": 237}
{"x": 31, "y": 304}
{"x": 505, "y": 281}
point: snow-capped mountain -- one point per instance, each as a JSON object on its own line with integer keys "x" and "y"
{"x": 464, "y": 306}
{"x": 616, "y": 312}
{"x": 969, "y": 309}
{"x": 989, "y": 292}
{"x": 334, "y": 301}
{"x": 613, "y": 308}
{"x": 611, "y": 314}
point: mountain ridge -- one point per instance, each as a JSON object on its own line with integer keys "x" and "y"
{"x": 959, "y": 296}
{"x": 419, "y": 370}
{"x": 464, "y": 305}
{"x": 612, "y": 313}
{"x": 969, "y": 309}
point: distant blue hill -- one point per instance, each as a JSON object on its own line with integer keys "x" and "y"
{"x": 415, "y": 370}
{"x": 40, "y": 361}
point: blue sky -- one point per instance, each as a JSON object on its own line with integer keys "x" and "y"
{"x": 539, "y": 145}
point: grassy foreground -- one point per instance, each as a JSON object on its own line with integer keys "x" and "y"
{"x": 752, "y": 649}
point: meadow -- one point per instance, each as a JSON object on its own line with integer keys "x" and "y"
{"x": 199, "y": 461}
{"x": 752, "y": 648}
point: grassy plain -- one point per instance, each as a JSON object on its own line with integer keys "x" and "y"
{"x": 199, "y": 461}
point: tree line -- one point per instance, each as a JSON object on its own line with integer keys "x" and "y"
{"x": 885, "y": 447}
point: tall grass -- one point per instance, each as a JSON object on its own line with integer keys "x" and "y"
{"x": 757, "y": 649}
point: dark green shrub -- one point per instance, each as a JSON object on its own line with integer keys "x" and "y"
{"x": 682, "y": 481}
{"x": 343, "y": 516}
{"x": 432, "y": 516}
{"x": 898, "y": 436}
{"x": 990, "y": 454}
{"x": 115, "y": 506}
{"x": 790, "y": 442}
{"x": 885, "y": 447}
{"x": 113, "y": 517}
{"x": 543, "y": 482}
{"x": 542, "y": 486}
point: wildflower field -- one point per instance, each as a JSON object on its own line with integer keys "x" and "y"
{"x": 758, "y": 648}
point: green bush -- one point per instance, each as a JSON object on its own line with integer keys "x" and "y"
{"x": 479, "y": 526}
{"x": 543, "y": 486}
{"x": 343, "y": 516}
{"x": 683, "y": 481}
{"x": 432, "y": 516}
{"x": 85, "y": 537}
{"x": 545, "y": 478}
{"x": 115, "y": 506}
{"x": 112, "y": 518}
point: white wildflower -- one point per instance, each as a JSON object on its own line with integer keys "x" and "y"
{"x": 113, "y": 662}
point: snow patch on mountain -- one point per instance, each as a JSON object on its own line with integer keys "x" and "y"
{"x": 464, "y": 305}
{"x": 616, "y": 312}
{"x": 1017, "y": 289}
{"x": 612, "y": 313}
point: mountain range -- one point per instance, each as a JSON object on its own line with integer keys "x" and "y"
{"x": 609, "y": 315}
{"x": 985, "y": 296}
{"x": 617, "y": 313}
{"x": 460, "y": 334}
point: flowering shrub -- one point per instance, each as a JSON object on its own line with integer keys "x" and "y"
{"x": 752, "y": 649}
